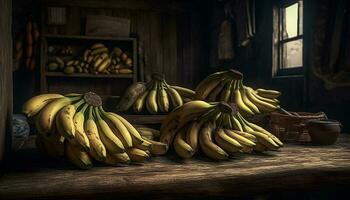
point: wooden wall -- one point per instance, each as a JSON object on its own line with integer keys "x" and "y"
{"x": 5, "y": 77}
{"x": 172, "y": 34}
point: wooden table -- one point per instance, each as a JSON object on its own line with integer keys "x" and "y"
{"x": 294, "y": 167}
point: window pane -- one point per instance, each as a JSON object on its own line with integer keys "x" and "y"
{"x": 293, "y": 54}
{"x": 300, "y": 17}
{"x": 290, "y": 16}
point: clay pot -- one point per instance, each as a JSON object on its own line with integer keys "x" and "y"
{"x": 324, "y": 132}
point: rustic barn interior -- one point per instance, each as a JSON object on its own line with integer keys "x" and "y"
{"x": 297, "y": 47}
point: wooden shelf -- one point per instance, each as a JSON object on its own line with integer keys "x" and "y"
{"x": 295, "y": 167}
{"x": 82, "y": 75}
{"x": 86, "y": 37}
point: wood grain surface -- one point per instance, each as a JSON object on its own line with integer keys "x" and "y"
{"x": 5, "y": 76}
{"x": 294, "y": 167}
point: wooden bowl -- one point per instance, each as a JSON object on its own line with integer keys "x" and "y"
{"x": 324, "y": 132}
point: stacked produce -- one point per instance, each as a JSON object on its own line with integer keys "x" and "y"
{"x": 228, "y": 86}
{"x": 155, "y": 96}
{"x": 78, "y": 127}
{"x": 96, "y": 60}
{"x": 216, "y": 129}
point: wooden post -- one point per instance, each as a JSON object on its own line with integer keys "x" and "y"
{"x": 5, "y": 78}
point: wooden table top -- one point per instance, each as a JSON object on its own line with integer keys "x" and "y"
{"x": 295, "y": 166}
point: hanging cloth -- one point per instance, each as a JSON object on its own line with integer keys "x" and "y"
{"x": 225, "y": 40}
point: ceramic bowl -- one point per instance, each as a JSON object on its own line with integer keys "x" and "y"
{"x": 324, "y": 132}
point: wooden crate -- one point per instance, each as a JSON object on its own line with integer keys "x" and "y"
{"x": 105, "y": 85}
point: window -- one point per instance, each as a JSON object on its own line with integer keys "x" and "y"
{"x": 288, "y": 38}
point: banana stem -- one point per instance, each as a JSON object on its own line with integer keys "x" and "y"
{"x": 78, "y": 104}
{"x": 97, "y": 113}
{"x": 83, "y": 109}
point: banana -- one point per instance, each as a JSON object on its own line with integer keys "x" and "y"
{"x": 116, "y": 159}
{"x": 104, "y": 64}
{"x": 111, "y": 142}
{"x": 246, "y": 135}
{"x": 226, "y": 142}
{"x": 215, "y": 93}
{"x": 270, "y": 94}
{"x": 78, "y": 157}
{"x": 65, "y": 120}
{"x": 182, "y": 148}
{"x": 211, "y": 83}
{"x": 145, "y": 146}
{"x": 99, "y": 60}
{"x": 135, "y": 135}
{"x": 175, "y": 97}
{"x": 151, "y": 102}
{"x": 130, "y": 96}
{"x": 192, "y": 134}
{"x": 48, "y": 113}
{"x": 239, "y": 138}
{"x": 208, "y": 146}
{"x": 137, "y": 155}
{"x": 263, "y": 106}
{"x": 80, "y": 135}
{"x": 240, "y": 104}
{"x": 87, "y": 53}
{"x": 35, "y": 104}
{"x": 118, "y": 128}
{"x": 97, "y": 46}
{"x": 184, "y": 92}
{"x": 249, "y": 104}
{"x": 98, "y": 51}
{"x": 226, "y": 92}
{"x": 96, "y": 145}
{"x": 147, "y": 132}
{"x": 140, "y": 101}
{"x": 157, "y": 148}
{"x": 264, "y": 140}
{"x": 260, "y": 147}
{"x": 162, "y": 99}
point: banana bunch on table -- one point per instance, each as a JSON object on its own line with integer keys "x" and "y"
{"x": 215, "y": 129}
{"x": 95, "y": 60}
{"x": 228, "y": 86}
{"x": 76, "y": 126}
{"x": 154, "y": 97}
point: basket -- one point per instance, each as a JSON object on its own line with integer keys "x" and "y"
{"x": 293, "y": 128}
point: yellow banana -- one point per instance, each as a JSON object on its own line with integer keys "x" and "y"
{"x": 118, "y": 128}
{"x": 247, "y": 102}
{"x": 111, "y": 142}
{"x": 182, "y": 148}
{"x": 207, "y": 145}
{"x": 162, "y": 98}
{"x": 263, "y": 106}
{"x": 184, "y": 92}
{"x": 239, "y": 138}
{"x": 137, "y": 155}
{"x": 91, "y": 131}
{"x": 270, "y": 94}
{"x": 208, "y": 84}
{"x": 116, "y": 159}
{"x": 80, "y": 135}
{"x": 65, "y": 119}
{"x": 140, "y": 102}
{"x": 147, "y": 132}
{"x": 151, "y": 101}
{"x": 240, "y": 104}
{"x": 226, "y": 92}
{"x": 36, "y": 103}
{"x": 78, "y": 157}
{"x": 246, "y": 135}
{"x": 175, "y": 97}
{"x": 227, "y": 143}
{"x": 48, "y": 113}
{"x": 135, "y": 135}
{"x": 215, "y": 93}
{"x": 235, "y": 123}
{"x": 192, "y": 134}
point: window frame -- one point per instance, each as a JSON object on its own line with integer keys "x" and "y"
{"x": 279, "y": 41}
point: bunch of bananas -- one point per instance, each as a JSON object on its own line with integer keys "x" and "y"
{"x": 77, "y": 126}
{"x": 228, "y": 86}
{"x": 217, "y": 129}
{"x": 155, "y": 96}
{"x": 96, "y": 60}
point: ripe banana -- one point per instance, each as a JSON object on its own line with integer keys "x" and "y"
{"x": 151, "y": 101}
{"x": 192, "y": 134}
{"x": 215, "y": 93}
{"x": 48, "y": 113}
{"x": 116, "y": 159}
{"x": 226, "y": 92}
{"x": 65, "y": 120}
{"x": 137, "y": 155}
{"x": 204, "y": 89}
{"x": 35, "y": 104}
{"x": 175, "y": 97}
{"x": 111, "y": 142}
{"x": 241, "y": 105}
{"x": 78, "y": 157}
{"x": 226, "y": 142}
{"x": 249, "y": 104}
{"x": 157, "y": 148}
{"x": 80, "y": 135}
{"x": 239, "y": 138}
{"x": 182, "y": 148}
{"x": 91, "y": 131}
{"x": 162, "y": 99}
{"x": 208, "y": 146}
{"x": 270, "y": 94}
{"x": 184, "y": 92}
{"x": 263, "y": 106}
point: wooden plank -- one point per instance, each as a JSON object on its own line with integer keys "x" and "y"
{"x": 5, "y": 78}
{"x": 169, "y": 42}
{"x": 81, "y": 75}
{"x": 294, "y": 167}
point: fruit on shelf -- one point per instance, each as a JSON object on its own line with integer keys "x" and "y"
{"x": 154, "y": 97}
{"x": 215, "y": 129}
{"x": 77, "y": 126}
{"x": 97, "y": 59}
{"x": 228, "y": 86}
